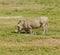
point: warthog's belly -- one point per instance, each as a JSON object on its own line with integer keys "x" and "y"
{"x": 35, "y": 26}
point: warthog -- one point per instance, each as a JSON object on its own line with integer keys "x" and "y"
{"x": 29, "y": 24}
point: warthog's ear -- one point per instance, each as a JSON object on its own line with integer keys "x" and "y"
{"x": 19, "y": 21}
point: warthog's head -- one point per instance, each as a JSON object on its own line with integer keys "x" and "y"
{"x": 20, "y": 25}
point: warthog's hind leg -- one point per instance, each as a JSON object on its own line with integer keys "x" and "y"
{"x": 44, "y": 27}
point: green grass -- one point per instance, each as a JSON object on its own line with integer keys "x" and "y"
{"x": 23, "y": 2}
{"x": 25, "y": 44}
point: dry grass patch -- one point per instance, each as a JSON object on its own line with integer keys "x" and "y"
{"x": 45, "y": 42}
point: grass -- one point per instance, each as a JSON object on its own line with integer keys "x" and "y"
{"x": 25, "y": 44}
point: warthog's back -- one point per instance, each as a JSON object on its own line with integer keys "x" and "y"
{"x": 43, "y": 19}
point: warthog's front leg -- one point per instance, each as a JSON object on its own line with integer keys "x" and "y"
{"x": 31, "y": 32}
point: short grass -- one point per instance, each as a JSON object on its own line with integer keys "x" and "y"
{"x": 25, "y": 44}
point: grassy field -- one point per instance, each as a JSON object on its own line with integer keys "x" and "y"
{"x": 25, "y": 44}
